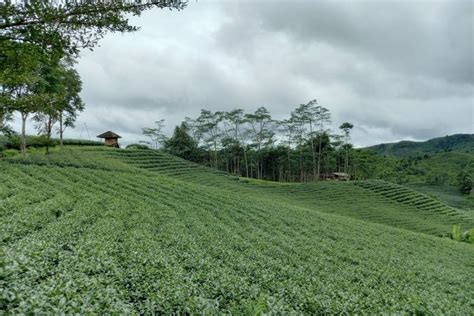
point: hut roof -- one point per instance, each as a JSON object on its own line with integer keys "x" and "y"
{"x": 109, "y": 134}
{"x": 341, "y": 174}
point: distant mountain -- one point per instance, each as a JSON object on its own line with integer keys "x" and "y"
{"x": 457, "y": 143}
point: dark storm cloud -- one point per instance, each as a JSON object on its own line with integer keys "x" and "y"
{"x": 418, "y": 37}
{"x": 396, "y": 69}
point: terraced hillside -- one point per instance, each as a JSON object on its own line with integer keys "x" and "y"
{"x": 374, "y": 201}
{"x": 94, "y": 231}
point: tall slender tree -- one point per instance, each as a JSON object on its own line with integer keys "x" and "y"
{"x": 208, "y": 125}
{"x": 71, "y": 104}
{"x": 346, "y": 127}
{"x": 262, "y": 127}
{"x": 236, "y": 119}
{"x": 308, "y": 114}
{"x": 289, "y": 129}
{"x": 323, "y": 117}
{"x": 156, "y": 135}
{"x": 300, "y": 132}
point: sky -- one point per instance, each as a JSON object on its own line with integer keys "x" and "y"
{"x": 395, "y": 69}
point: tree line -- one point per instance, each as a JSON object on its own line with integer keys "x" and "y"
{"x": 298, "y": 148}
{"x": 40, "y": 41}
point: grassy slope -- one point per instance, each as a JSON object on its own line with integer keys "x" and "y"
{"x": 81, "y": 231}
{"x": 448, "y": 194}
{"x": 373, "y": 201}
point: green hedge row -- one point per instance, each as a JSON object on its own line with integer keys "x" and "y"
{"x": 14, "y": 142}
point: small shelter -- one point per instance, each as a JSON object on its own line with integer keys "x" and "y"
{"x": 111, "y": 139}
{"x": 341, "y": 176}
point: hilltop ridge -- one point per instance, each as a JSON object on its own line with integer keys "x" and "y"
{"x": 458, "y": 143}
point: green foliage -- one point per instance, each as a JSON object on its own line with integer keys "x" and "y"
{"x": 468, "y": 236}
{"x": 181, "y": 144}
{"x": 450, "y": 195}
{"x": 80, "y": 142}
{"x": 137, "y": 146}
{"x": 67, "y": 26}
{"x": 456, "y": 232}
{"x": 100, "y": 230}
{"x": 465, "y": 182}
{"x": 39, "y": 41}
{"x": 31, "y": 142}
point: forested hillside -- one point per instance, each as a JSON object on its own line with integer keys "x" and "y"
{"x": 460, "y": 143}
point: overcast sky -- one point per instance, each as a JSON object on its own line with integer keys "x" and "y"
{"x": 395, "y": 69}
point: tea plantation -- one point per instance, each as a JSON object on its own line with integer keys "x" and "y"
{"x": 95, "y": 230}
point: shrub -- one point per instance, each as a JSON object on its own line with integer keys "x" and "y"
{"x": 81, "y": 142}
{"x": 468, "y": 236}
{"x": 137, "y": 146}
{"x": 456, "y": 232}
{"x": 465, "y": 182}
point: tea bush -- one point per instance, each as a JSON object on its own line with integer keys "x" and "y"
{"x": 85, "y": 232}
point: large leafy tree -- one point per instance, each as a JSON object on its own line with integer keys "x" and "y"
{"x": 19, "y": 77}
{"x": 68, "y": 26}
{"x": 181, "y": 144}
{"x": 37, "y": 30}
{"x": 58, "y": 91}
{"x": 71, "y": 103}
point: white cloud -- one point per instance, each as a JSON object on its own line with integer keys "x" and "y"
{"x": 396, "y": 69}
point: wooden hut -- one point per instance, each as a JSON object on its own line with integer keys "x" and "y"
{"x": 111, "y": 139}
{"x": 341, "y": 176}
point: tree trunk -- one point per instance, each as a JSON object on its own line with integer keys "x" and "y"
{"x": 346, "y": 164}
{"x": 313, "y": 151}
{"x": 301, "y": 165}
{"x": 215, "y": 156}
{"x": 319, "y": 154}
{"x": 48, "y": 133}
{"x": 289, "y": 164}
{"x": 61, "y": 131}
{"x": 246, "y": 163}
{"x": 23, "y": 133}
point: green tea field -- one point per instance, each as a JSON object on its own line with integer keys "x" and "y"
{"x": 95, "y": 230}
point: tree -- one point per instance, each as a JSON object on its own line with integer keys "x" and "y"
{"x": 71, "y": 103}
{"x": 308, "y": 114}
{"x": 262, "y": 127}
{"x": 57, "y": 98}
{"x": 156, "y": 134}
{"x": 68, "y": 26}
{"x": 236, "y": 119}
{"x": 465, "y": 182}
{"x": 289, "y": 128}
{"x": 181, "y": 144}
{"x": 346, "y": 128}
{"x": 208, "y": 126}
{"x": 37, "y": 30}
{"x": 19, "y": 78}
{"x": 5, "y": 117}
{"x": 299, "y": 132}
{"x": 323, "y": 117}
